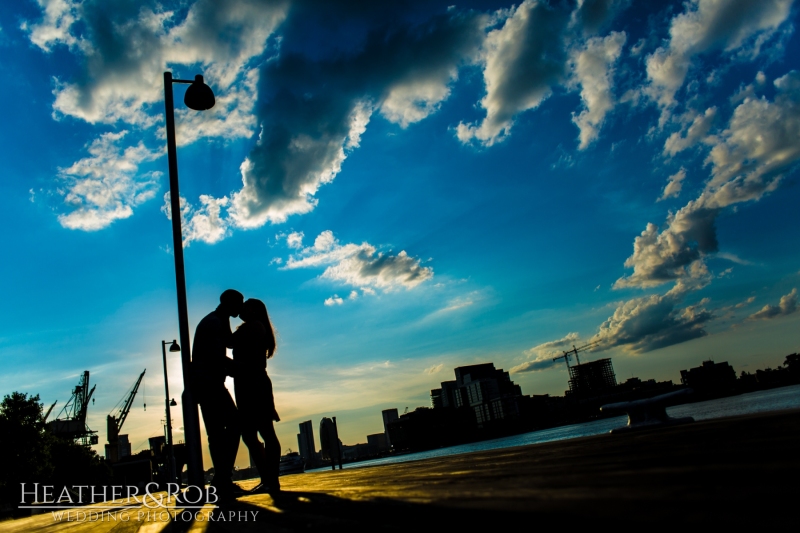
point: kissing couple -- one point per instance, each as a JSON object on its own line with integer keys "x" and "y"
{"x": 254, "y": 412}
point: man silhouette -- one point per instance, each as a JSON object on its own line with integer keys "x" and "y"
{"x": 210, "y": 367}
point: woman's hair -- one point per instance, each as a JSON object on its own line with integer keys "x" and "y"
{"x": 256, "y": 310}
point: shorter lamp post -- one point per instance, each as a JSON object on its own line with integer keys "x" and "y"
{"x": 171, "y": 457}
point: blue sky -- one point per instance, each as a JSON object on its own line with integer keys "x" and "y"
{"x": 409, "y": 189}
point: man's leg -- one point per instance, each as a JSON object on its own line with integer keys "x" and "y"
{"x": 232, "y": 431}
{"x": 220, "y": 418}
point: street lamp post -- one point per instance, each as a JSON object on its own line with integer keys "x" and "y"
{"x": 170, "y": 450}
{"x": 198, "y": 97}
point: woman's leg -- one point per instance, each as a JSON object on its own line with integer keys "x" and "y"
{"x": 256, "y": 449}
{"x": 272, "y": 453}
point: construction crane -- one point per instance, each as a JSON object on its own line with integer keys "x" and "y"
{"x": 71, "y": 420}
{"x": 574, "y": 351}
{"x": 49, "y": 411}
{"x": 116, "y": 419}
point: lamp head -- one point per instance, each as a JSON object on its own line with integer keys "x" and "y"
{"x": 173, "y": 403}
{"x": 174, "y": 347}
{"x": 199, "y": 96}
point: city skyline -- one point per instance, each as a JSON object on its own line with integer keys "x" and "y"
{"x": 409, "y": 188}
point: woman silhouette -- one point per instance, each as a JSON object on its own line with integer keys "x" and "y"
{"x": 253, "y": 344}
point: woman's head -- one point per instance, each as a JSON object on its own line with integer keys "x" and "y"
{"x": 254, "y": 309}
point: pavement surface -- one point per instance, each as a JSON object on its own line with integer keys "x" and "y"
{"x": 735, "y": 473}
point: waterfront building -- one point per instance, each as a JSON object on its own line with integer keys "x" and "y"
{"x": 447, "y": 396}
{"x": 305, "y": 443}
{"x": 378, "y": 440}
{"x": 592, "y": 379}
{"x": 710, "y": 378}
{"x": 389, "y": 416}
{"x": 358, "y": 452}
{"x": 487, "y": 391}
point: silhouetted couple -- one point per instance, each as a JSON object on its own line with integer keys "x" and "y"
{"x": 253, "y": 343}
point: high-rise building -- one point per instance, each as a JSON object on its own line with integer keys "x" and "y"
{"x": 488, "y": 391}
{"x": 305, "y": 443}
{"x": 389, "y": 416}
{"x": 592, "y": 378}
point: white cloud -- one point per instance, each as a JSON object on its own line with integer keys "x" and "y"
{"x": 744, "y": 92}
{"x": 107, "y": 185}
{"x": 697, "y": 130}
{"x": 542, "y": 355}
{"x": 707, "y": 25}
{"x": 360, "y": 265}
{"x": 58, "y": 16}
{"x": 593, "y": 69}
{"x": 522, "y": 61}
{"x": 324, "y": 241}
{"x": 295, "y": 239}
{"x": 759, "y": 143}
{"x": 745, "y": 303}
{"x": 674, "y": 253}
{"x": 786, "y": 306}
{"x": 733, "y": 258}
{"x": 747, "y": 161}
{"x": 457, "y": 303}
{"x": 413, "y": 100}
{"x": 205, "y": 223}
{"x": 652, "y": 322}
{"x": 434, "y": 369}
{"x": 127, "y": 49}
{"x": 674, "y": 185}
{"x": 334, "y": 300}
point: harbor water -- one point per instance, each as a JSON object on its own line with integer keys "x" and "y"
{"x": 753, "y": 402}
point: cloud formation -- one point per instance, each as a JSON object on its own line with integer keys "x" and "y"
{"x": 651, "y": 322}
{"x": 317, "y": 101}
{"x": 333, "y": 300}
{"x": 593, "y": 71}
{"x": 747, "y": 161}
{"x": 360, "y": 266}
{"x": 704, "y": 26}
{"x": 124, "y": 52}
{"x": 697, "y": 130}
{"x": 541, "y": 356}
{"x": 58, "y": 16}
{"x": 523, "y": 59}
{"x": 107, "y": 185}
{"x": 674, "y": 185}
{"x": 786, "y": 306}
{"x": 202, "y": 223}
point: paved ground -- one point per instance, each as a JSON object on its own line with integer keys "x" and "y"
{"x": 739, "y": 473}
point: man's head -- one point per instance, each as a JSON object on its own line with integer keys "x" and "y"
{"x": 230, "y": 302}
